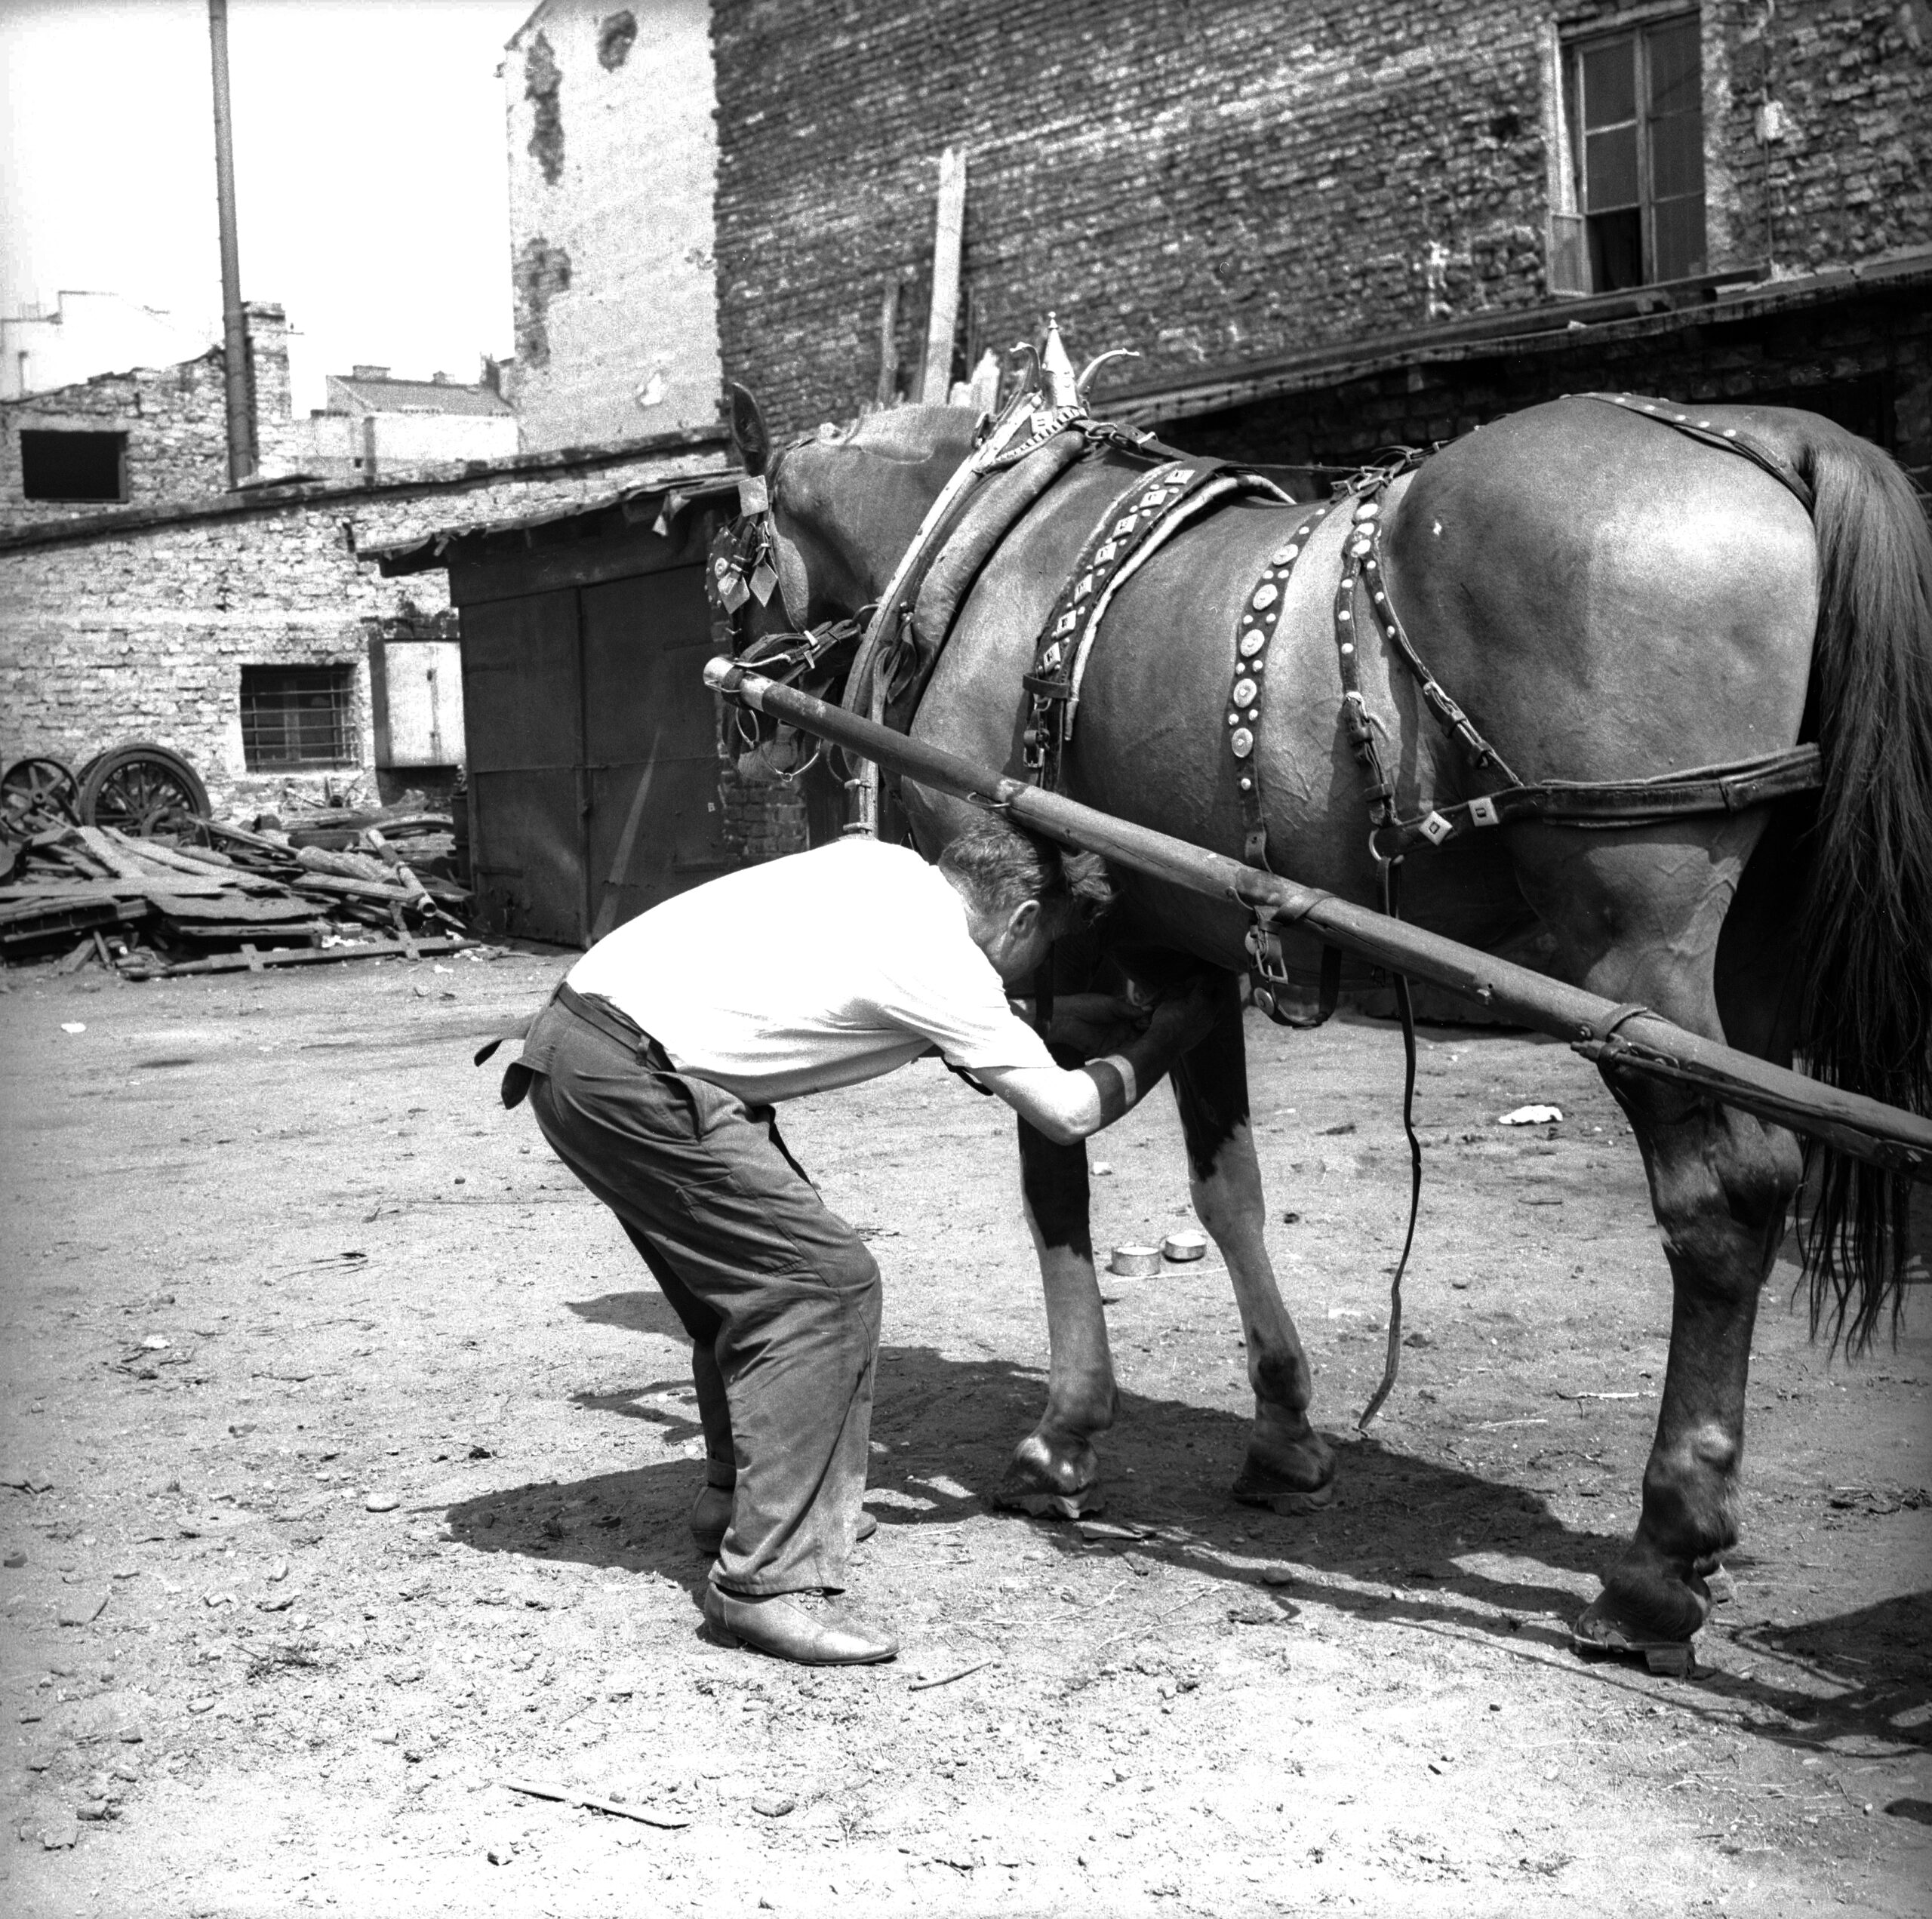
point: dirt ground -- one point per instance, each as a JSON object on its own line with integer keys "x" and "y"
{"x": 348, "y": 1447}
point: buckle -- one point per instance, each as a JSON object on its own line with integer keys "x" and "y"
{"x": 1264, "y": 945}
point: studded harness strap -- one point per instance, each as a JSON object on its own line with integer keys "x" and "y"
{"x": 1727, "y": 439}
{"x": 1140, "y": 520}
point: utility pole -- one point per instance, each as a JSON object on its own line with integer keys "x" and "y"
{"x": 241, "y": 450}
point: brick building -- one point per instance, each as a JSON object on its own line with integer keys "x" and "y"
{"x": 152, "y": 437}
{"x": 1327, "y": 229}
{"x": 140, "y": 597}
{"x": 612, "y": 162}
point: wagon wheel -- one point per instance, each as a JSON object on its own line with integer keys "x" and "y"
{"x": 141, "y": 788}
{"x": 40, "y": 793}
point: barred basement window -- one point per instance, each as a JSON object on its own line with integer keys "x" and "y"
{"x": 1634, "y": 102}
{"x": 296, "y": 716}
{"x": 73, "y": 467}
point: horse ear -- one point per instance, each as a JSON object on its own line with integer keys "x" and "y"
{"x": 748, "y": 431}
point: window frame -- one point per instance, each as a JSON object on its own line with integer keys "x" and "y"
{"x": 1638, "y": 32}
{"x": 118, "y": 498}
{"x": 344, "y": 740}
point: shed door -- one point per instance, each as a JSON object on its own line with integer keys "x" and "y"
{"x": 655, "y": 825}
{"x": 523, "y": 706}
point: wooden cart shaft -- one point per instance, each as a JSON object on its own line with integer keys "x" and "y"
{"x": 1638, "y": 1041}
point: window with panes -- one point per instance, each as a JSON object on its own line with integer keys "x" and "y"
{"x": 294, "y": 716}
{"x": 1636, "y": 117}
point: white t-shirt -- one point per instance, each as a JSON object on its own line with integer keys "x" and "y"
{"x": 816, "y": 970}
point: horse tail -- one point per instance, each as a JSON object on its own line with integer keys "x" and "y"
{"x": 1866, "y": 1018}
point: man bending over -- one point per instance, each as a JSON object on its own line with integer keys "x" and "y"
{"x": 652, "y": 1074}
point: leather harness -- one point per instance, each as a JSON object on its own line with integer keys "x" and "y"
{"x": 1018, "y": 463}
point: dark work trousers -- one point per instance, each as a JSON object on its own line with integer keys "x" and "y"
{"x": 779, "y": 1296}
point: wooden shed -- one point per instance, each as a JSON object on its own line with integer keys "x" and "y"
{"x": 594, "y": 785}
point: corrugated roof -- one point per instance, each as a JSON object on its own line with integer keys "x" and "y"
{"x": 418, "y": 395}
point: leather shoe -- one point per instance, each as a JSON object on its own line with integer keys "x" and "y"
{"x": 711, "y": 1518}
{"x": 809, "y": 1627}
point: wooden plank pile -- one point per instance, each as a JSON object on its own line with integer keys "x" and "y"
{"x": 218, "y": 898}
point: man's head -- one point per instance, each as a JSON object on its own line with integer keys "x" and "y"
{"x": 1021, "y": 892}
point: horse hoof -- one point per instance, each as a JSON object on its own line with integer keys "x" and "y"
{"x": 1038, "y": 1504}
{"x": 1597, "y": 1632}
{"x": 1287, "y": 1501}
{"x": 1050, "y": 1477}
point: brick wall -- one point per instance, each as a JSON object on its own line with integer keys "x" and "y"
{"x": 1218, "y": 182}
{"x": 611, "y": 162}
{"x": 763, "y": 819}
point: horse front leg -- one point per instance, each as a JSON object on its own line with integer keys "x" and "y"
{"x": 1289, "y": 1467}
{"x": 1054, "y": 1472}
{"x": 1720, "y": 1183}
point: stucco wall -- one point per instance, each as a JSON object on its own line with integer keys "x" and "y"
{"x": 612, "y": 159}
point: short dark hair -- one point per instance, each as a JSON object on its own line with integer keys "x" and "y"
{"x": 998, "y": 865}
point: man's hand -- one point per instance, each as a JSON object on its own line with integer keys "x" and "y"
{"x": 1068, "y": 1106}
{"x": 1183, "y": 1016}
{"x": 1094, "y": 1023}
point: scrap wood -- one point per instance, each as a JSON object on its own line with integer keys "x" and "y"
{"x": 209, "y": 856}
{"x": 247, "y": 887}
{"x": 224, "y": 905}
{"x": 565, "y": 1796}
{"x": 240, "y": 836}
{"x": 64, "y": 886}
{"x": 347, "y": 866}
{"x": 342, "y": 888}
{"x": 59, "y": 916}
{"x": 306, "y": 930}
{"x": 145, "y": 969}
{"x": 160, "y": 852}
{"x": 337, "y": 830}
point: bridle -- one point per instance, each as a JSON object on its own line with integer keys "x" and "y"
{"x": 742, "y": 566}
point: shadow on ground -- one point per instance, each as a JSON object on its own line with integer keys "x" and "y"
{"x": 1400, "y": 1532}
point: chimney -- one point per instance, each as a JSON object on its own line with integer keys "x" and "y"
{"x": 370, "y": 373}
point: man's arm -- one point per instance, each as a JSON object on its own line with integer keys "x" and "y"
{"x": 1068, "y": 1106}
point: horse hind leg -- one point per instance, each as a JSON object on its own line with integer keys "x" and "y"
{"x": 1721, "y": 1184}
{"x": 1289, "y": 1467}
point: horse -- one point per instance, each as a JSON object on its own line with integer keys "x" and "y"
{"x": 1608, "y": 599}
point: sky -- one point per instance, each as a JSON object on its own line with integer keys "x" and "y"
{"x": 369, "y": 165}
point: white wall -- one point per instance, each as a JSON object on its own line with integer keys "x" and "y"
{"x": 629, "y": 345}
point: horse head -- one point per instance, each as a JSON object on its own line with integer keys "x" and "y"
{"x": 822, "y": 523}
